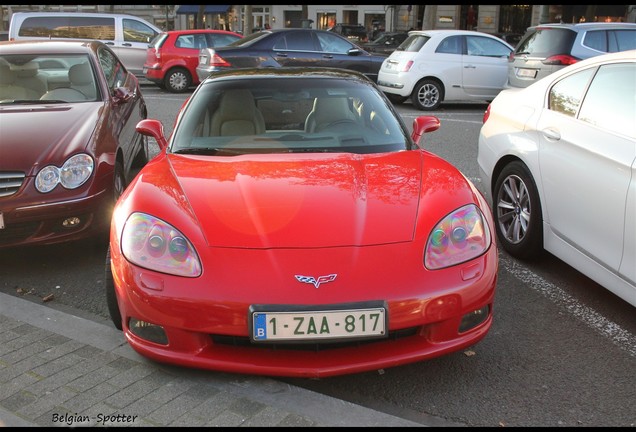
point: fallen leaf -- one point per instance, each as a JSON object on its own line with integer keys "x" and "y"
{"x": 469, "y": 353}
{"x": 48, "y": 298}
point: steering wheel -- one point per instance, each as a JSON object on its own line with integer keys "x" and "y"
{"x": 341, "y": 123}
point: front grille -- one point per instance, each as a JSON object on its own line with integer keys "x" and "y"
{"x": 312, "y": 346}
{"x": 10, "y": 182}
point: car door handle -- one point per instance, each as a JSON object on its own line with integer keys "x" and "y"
{"x": 110, "y": 43}
{"x": 551, "y": 134}
{"x": 470, "y": 67}
{"x": 327, "y": 56}
{"x": 126, "y": 44}
{"x": 279, "y": 54}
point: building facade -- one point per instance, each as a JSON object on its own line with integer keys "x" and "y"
{"x": 247, "y": 18}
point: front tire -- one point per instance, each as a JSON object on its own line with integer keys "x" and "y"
{"x": 111, "y": 297}
{"x": 177, "y": 80}
{"x": 427, "y": 95}
{"x": 517, "y": 212}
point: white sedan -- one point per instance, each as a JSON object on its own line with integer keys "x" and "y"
{"x": 558, "y": 162}
{"x": 432, "y": 66}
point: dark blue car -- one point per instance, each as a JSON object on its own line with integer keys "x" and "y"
{"x": 287, "y": 48}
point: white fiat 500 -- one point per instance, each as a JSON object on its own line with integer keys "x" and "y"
{"x": 434, "y": 66}
{"x": 558, "y": 163}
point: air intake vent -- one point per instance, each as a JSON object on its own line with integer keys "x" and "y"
{"x": 10, "y": 182}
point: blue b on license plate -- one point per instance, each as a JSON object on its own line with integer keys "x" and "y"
{"x": 311, "y": 325}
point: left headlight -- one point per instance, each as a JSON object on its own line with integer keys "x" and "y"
{"x": 459, "y": 237}
{"x": 75, "y": 172}
{"x": 154, "y": 244}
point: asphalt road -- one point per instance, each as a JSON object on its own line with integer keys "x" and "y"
{"x": 561, "y": 352}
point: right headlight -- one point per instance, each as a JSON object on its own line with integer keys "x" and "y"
{"x": 75, "y": 172}
{"x": 151, "y": 243}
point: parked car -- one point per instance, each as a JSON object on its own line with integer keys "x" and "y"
{"x": 433, "y": 66}
{"x": 288, "y": 48}
{"x": 258, "y": 241}
{"x": 547, "y": 48}
{"x": 385, "y": 43}
{"x": 557, "y": 162}
{"x": 173, "y": 56}
{"x": 68, "y": 112}
{"x": 127, "y": 35}
{"x": 355, "y": 32}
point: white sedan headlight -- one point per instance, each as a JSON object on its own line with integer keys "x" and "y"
{"x": 75, "y": 172}
{"x": 459, "y": 237}
{"x": 156, "y": 245}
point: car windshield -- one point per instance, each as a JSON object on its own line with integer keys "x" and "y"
{"x": 413, "y": 43}
{"x": 288, "y": 115}
{"x": 47, "y": 77}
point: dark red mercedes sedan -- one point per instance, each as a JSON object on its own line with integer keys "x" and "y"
{"x": 68, "y": 144}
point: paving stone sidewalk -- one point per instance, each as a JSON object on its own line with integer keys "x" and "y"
{"x": 57, "y": 369}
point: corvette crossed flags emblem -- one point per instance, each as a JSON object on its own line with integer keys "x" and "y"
{"x": 316, "y": 281}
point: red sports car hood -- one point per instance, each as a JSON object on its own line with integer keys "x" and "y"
{"x": 270, "y": 201}
{"x": 34, "y": 136}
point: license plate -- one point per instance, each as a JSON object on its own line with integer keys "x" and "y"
{"x": 311, "y": 325}
{"x": 527, "y": 73}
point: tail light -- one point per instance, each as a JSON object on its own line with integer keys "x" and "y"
{"x": 218, "y": 61}
{"x": 408, "y": 66}
{"x": 560, "y": 60}
{"x": 486, "y": 114}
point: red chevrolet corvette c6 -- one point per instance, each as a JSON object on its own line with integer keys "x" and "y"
{"x": 292, "y": 226}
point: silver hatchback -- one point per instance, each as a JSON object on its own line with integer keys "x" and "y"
{"x": 547, "y": 48}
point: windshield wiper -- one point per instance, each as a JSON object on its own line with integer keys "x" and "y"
{"x": 22, "y": 101}
{"x": 207, "y": 151}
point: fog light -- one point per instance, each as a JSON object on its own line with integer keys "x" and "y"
{"x": 474, "y": 318}
{"x": 150, "y": 332}
{"x": 71, "y": 222}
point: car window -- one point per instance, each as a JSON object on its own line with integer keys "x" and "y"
{"x": 135, "y": 31}
{"x": 114, "y": 70}
{"x": 296, "y": 41}
{"x": 547, "y": 42}
{"x": 184, "y": 41}
{"x": 566, "y": 95}
{"x": 333, "y": 44}
{"x": 102, "y": 28}
{"x": 215, "y": 39}
{"x": 158, "y": 41}
{"x": 596, "y": 39}
{"x": 622, "y": 40}
{"x": 484, "y": 46}
{"x": 610, "y": 102}
{"x": 413, "y": 43}
{"x": 450, "y": 45}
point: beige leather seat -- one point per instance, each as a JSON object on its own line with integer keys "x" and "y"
{"x": 326, "y": 112}
{"x": 9, "y": 89}
{"x": 82, "y": 79}
{"x": 82, "y": 86}
{"x": 28, "y": 75}
{"x": 237, "y": 115}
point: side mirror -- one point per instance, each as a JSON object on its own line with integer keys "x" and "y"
{"x": 154, "y": 129}
{"x": 422, "y": 125}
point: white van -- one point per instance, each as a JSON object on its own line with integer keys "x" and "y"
{"x": 127, "y": 35}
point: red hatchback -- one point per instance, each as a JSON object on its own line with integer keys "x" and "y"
{"x": 173, "y": 56}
